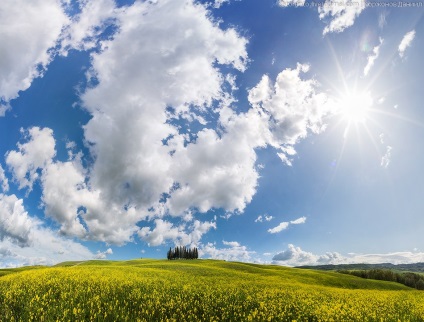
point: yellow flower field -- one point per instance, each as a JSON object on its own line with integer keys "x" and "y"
{"x": 202, "y": 290}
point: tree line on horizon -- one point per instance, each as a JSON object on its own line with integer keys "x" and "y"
{"x": 409, "y": 279}
{"x": 182, "y": 252}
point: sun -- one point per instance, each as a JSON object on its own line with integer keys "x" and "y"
{"x": 355, "y": 106}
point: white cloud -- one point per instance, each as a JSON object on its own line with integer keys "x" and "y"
{"x": 94, "y": 17}
{"x": 219, "y": 3}
{"x": 165, "y": 230}
{"x": 31, "y": 156}
{"x": 293, "y": 108}
{"x": 382, "y": 19}
{"x": 4, "y": 181}
{"x": 295, "y": 256}
{"x": 103, "y": 255}
{"x": 264, "y": 217}
{"x": 386, "y": 158}
{"x": 298, "y": 221}
{"x": 284, "y": 225}
{"x": 134, "y": 166}
{"x": 29, "y": 30}
{"x": 342, "y": 14}
{"x": 406, "y": 42}
{"x": 66, "y": 196}
{"x": 232, "y": 244}
{"x": 14, "y": 221}
{"x": 291, "y": 3}
{"x": 152, "y": 169}
{"x": 382, "y": 137}
{"x": 24, "y": 241}
{"x": 234, "y": 252}
{"x": 372, "y": 58}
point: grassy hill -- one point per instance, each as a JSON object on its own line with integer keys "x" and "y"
{"x": 198, "y": 290}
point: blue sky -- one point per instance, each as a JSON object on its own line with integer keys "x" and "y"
{"x": 261, "y": 131}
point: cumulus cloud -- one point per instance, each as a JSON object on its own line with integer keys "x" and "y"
{"x": 86, "y": 26}
{"x": 284, "y": 225}
{"x": 146, "y": 166}
{"x": 14, "y": 221}
{"x": 66, "y": 196}
{"x": 31, "y": 156}
{"x": 4, "y": 181}
{"x": 341, "y": 13}
{"x": 165, "y": 231}
{"x": 372, "y": 58}
{"x": 103, "y": 255}
{"x": 25, "y": 40}
{"x": 233, "y": 252}
{"x": 293, "y": 108}
{"x": 135, "y": 166}
{"x": 295, "y": 256}
{"x": 24, "y": 241}
{"x": 406, "y": 42}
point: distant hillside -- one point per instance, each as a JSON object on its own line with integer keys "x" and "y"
{"x": 417, "y": 267}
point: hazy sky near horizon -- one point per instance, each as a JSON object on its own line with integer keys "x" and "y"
{"x": 285, "y": 132}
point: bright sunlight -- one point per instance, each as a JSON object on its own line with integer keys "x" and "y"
{"x": 355, "y": 106}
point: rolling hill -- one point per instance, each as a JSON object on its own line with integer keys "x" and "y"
{"x": 198, "y": 290}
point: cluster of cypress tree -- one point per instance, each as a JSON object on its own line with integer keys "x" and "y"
{"x": 183, "y": 252}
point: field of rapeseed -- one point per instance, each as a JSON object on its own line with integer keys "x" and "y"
{"x": 202, "y": 290}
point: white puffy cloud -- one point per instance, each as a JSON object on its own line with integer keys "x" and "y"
{"x": 15, "y": 224}
{"x": 103, "y": 255}
{"x": 179, "y": 58}
{"x": 4, "y": 181}
{"x": 298, "y": 221}
{"x": 94, "y": 17}
{"x": 406, "y": 42}
{"x": 293, "y": 108}
{"x": 342, "y": 14}
{"x": 151, "y": 77}
{"x": 285, "y": 224}
{"x": 234, "y": 252}
{"x": 24, "y": 241}
{"x": 282, "y": 226}
{"x": 31, "y": 156}
{"x": 66, "y": 196}
{"x": 165, "y": 230}
{"x": 295, "y": 256}
{"x": 28, "y": 30}
{"x": 372, "y": 58}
